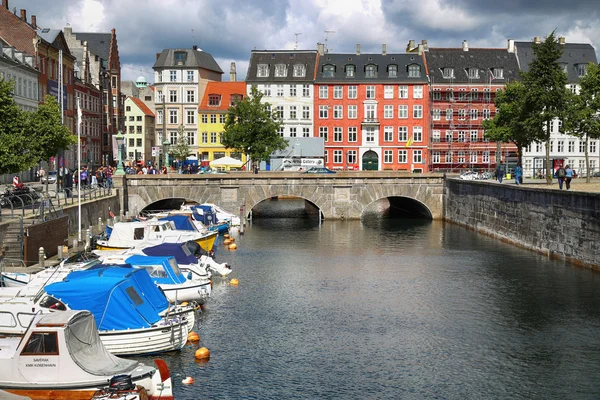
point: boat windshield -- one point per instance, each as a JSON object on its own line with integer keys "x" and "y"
{"x": 175, "y": 266}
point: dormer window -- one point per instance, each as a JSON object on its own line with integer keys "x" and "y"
{"x": 392, "y": 71}
{"x": 414, "y": 71}
{"x": 448, "y": 73}
{"x": 180, "y": 57}
{"x": 214, "y": 99}
{"x": 262, "y": 70}
{"x": 235, "y": 98}
{"x": 371, "y": 71}
{"x": 473, "y": 73}
{"x": 498, "y": 73}
{"x": 299, "y": 70}
{"x": 328, "y": 71}
{"x": 581, "y": 69}
{"x": 280, "y": 70}
{"x": 350, "y": 71}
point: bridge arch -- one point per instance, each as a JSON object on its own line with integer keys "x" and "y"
{"x": 406, "y": 207}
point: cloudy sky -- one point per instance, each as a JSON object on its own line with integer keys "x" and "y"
{"x": 229, "y": 29}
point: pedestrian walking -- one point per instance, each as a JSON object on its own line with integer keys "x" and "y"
{"x": 500, "y": 171}
{"x": 561, "y": 174}
{"x": 518, "y": 174}
{"x": 569, "y": 174}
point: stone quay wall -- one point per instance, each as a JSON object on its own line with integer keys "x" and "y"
{"x": 561, "y": 224}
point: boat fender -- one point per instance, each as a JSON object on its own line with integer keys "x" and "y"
{"x": 189, "y": 275}
{"x": 121, "y": 382}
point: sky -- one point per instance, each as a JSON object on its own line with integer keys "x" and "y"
{"x": 230, "y": 29}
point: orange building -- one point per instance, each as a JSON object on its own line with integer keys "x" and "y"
{"x": 373, "y": 110}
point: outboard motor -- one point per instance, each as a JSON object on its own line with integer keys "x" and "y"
{"x": 121, "y": 382}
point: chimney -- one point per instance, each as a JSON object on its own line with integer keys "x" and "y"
{"x": 424, "y": 43}
{"x": 536, "y": 40}
{"x": 232, "y": 73}
{"x": 157, "y": 56}
{"x": 5, "y": 4}
{"x": 465, "y": 45}
{"x": 383, "y": 50}
{"x": 420, "y": 49}
{"x": 358, "y": 49}
{"x": 33, "y": 22}
{"x": 511, "y": 45}
{"x": 562, "y": 40}
{"x": 321, "y": 49}
{"x": 194, "y": 47}
{"x": 24, "y": 15}
{"x": 411, "y": 45}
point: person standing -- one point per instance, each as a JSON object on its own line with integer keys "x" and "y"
{"x": 569, "y": 174}
{"x": 500, "y": 170}
{"x": 561, "y": 174}
{"x": 518, "y": 174}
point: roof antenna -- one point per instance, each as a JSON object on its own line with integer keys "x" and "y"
{"x": 326, "y": 36}
{"x": 297, "y": 34}
{"x": 193, "y": 39}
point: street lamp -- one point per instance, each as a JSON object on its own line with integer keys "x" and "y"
{"x": 120, "y": 139}
{"x": 166, "y": 145}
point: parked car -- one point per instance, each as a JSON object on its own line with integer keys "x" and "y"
{"x": 469, "y": 175}
{"x": 596, "y": 174}
{"x": 50, "y": 177}
{"x": 319, "y": 170}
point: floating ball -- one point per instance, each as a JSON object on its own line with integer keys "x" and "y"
{"x": 193, "y": 337}
{"x": 233, "y": 282}
{"x": 232, "y": 246}
{"x": 188, "y": 381}
{"x": 226, "y": 235}
{"x": 202, "y": 354}
{"x": 226, "y": 242}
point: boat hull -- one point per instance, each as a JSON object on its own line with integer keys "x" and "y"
{"x": 198, "y": 292}
{"x": 207, "y": 241}
{"x": 146, "y": 341}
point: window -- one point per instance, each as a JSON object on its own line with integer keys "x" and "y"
{"x": 328, "y": 71}
{"x": 485, "y": 114}
{"x": 448, "y": 73}
{"x": 448, "y": 157}
{"x": 450, "y": 95}
{"x": 204, "y": 137}
{"x": 592, "y": 146}
{"x": 417, "y": 156}
{"x": 305, "y": 112}
{"x": 138, "y": 142}
{"x": 473, "y": 73}
{"x": 292, "y": 90}
{"x": 402, "y": 156}
{"x": 173, "y": 96}
{"x": 173, "y": 116}
{"x": 403, "y": 111}
{"x": 403, "y": 92}
{"x": 474, "y": 136}
{"x": 159, "y": 116}
{"x": 280, "y": 70}
{"x": 323, "y": 92}
{"x": 131, "y": 118}
{"x": 581, "y": 69}
{"x": 474, "y": 114}
{"x": 473, "y": 157}
{"x": 138, "y": 118}
{"x": 352, "y": 92}
{"x": 437, "y": 94}
{"x": 337, "y": 134}
{"x": 262, "y": 70}
{"x": 370, "y": 135}
{"x": 435, "y": 136}
{"x": 418, "y": 111}
{"x": 462, "y": 114}
{"x": 337, "y": 156}
{"x": 323, "y": 112}
{"x": 351, "y": 156}
{"x": 388, "y": 92}
{"x": 571, "y": 146}
{"x": 279, "y": 112}
{"x": 388, "y": 157}
{"x": 279, "y": 90}
{"x": 462, "y": 95}
{"x": 337, "y": 92}
{"x": 128, "y": 108}
{"x": 235, "y": 98}
{"x": 418, "y": 92}
{"x": 172, "y": 76}
{"x": 131, "y": 141}
{"x": 435, "y": 157}
{"x": 305, "y": 90}
{"x": 191, "y": 96}
{"x": 352, "y": 134}
{"x": 306, "y": 132}
{"x": 485, "y": 157}
{"x": 293, "y": 112}
{"x": 323, "y": 133}
{"x": 403, "y": 133}
{"x": 417, "y": 133}
{"x": 474, "y": 94}
{"x": 280, "y": 131}
{"x": 213, "y": 137}
{"x": 388, "y": 133}
{"x": 392, "y": 71}
{"x": 221, "y": 118}
{"x": 370, "y": 112}
{"x": 204, "y": 118}
{"x": 337, "y": 112}
{"x": 498, "y": 73}
{"x": 437, "y": 114}
{"x": 267, "y": 90}
{"x": 213, "y": 118}
{"x": 158, "y": 76}
{"x": 350, "y": 71}
{"x": 370, "y": 92}
{"x": 190, "y": 76}
{"x": 371, "y": 71}
{"x": 299, "y": 70}
{"x": 414, "y": 71}
{"x": 173, "y": 137}
{"x": 191, "y": 117}
{"x": 461, "y": 157}
{"x": 42, "y": 343}
{"x": 462, "y": 136}
{"x": 352, "y": 112}
{"x": 560, "y": 146}
{"x": 487, "y": 94}
{"x": 581, "y": 146}
{"x": 573, "y": 89}
{"x": 293, "y": 132}
{"x": 388, "y": 111}
{"x": 191, "y": 138}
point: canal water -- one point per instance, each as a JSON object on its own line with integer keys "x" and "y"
{"x": 392, "y": 309}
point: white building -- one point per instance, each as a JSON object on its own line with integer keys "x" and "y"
{"x": 16, "y": 66}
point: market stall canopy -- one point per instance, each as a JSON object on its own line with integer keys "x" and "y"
{"x": 226, "y": 162}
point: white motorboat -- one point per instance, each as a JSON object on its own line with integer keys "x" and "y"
{"x": 60, "y": 356}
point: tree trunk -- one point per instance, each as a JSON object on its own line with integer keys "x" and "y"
{"x": 587, "y": 160}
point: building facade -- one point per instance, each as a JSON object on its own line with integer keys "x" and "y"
{"x": 372, "y": 110}
{"x": 463, "y": 85}
{"x": 564, "y": 148}
{"x": 218, "y": 97}
{"x": 181, "y": 77}
{"x": 18, "y": 67}
{"x": 139, "y": 132}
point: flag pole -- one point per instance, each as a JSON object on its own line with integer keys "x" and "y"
{"x": 79, "y": 165}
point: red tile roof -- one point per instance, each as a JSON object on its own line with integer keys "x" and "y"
{"x": 225, "y": 89}
{"x": 142, "y": 106}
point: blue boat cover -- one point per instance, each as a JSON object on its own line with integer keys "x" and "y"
{"x": 182, "y": 222}
{"x": 162, "y": 269}
{"x": 202, "y": 213}
{"x": 180, "y": 251}
{"x": 120, "y": 297}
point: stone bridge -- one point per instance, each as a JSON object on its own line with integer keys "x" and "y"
{"x": 344, "y": 195}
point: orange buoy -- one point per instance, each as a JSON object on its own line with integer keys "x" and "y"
{"x": 232, "y": 246}
{"x": 188, "y": 381}
{"x": 231, "y": 240}
{"x": 226, "y": 242}
{"x": 193, "y": 337}
{"x": 226, "y": 235}
{"x": 233, "y": 282}
{"x": 202, "y": 354}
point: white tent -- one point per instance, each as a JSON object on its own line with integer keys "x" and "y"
{"x": 226, "y": 162}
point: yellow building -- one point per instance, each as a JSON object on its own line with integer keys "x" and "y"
{"x": 139, "y": 132}
{"x": 218, "y": 97}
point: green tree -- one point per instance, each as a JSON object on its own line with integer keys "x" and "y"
{"x": 582, "y": 118}
{"x": 546, "y": 98}
{"x": 251, "y": 128}
{"x": 508, "y": 125}
{"x": 181, "y": 148}
{"x": 15, "y": 148}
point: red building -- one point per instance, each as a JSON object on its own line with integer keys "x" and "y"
{"x": 373, "y": 110}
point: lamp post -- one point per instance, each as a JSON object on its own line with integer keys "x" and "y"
{"x": 166, "y": 145}
{"x": 120, "y": 139}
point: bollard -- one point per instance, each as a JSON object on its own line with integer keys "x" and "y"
{"x": 60, "y": 253}
{"x": 88, "y": 239}
{"x": 75, "y": 244}
{"x": 41, "y": 257}
{"x": 100, "y": 225}
{"x": 242, "y": 219}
